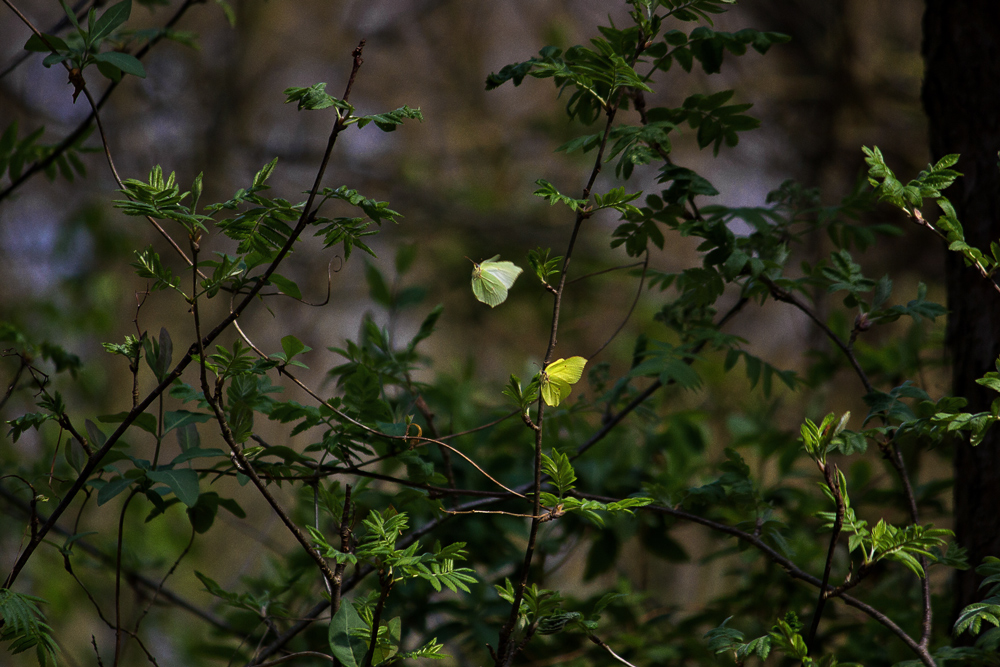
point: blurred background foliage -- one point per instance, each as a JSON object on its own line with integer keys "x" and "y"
{"x": 463, "y": 181}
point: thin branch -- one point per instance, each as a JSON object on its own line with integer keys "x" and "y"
{"x": 386, "y": 581}
{"x": 781, "y": 294}
{"x": 790, "y": 567}
{"x": 608, "y": 649}
{"x": 896, "y": 459}
{"x": 603, "y": 271}
{"x": 163, "y": 581}
{"x": 75, "y": 135}
{"x": 611, "y": 421}
{"x": 292, "y": 656}
{"x": 241, "y": 461}
{"x": 118, "y": 577}
{"x": 832, "y": 483}
{"x": 476, "y": 466}
{"x": 95, "y": 459}
{"x": 345, "y": 547}
{"x": 506, "y": 650}
{"x": 918, "y": 218}
{"x": 80, "y": 11}
{"x": 628, "y": 315}
{"x": 22, "y": 364}
{"x": 134, "y": 578}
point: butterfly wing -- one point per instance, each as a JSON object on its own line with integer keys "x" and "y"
{"x": 553, "y": 390}
{"x": 568, "y": 370}
{"x": 505, "y": 272}
{"x": 492, "y": 279}
{"x": 557, "y": 378}
{"x": 489, "y": 290}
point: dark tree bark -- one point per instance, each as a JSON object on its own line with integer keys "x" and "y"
{"x": 961, "y": 96}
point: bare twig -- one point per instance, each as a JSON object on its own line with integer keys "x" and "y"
{"x": 628, "y": 315}
{"x": 75, "y": 135}
{"x": 506, "y": 649}
{"x": 832, "y": 482}
{"x": 163, "y": 581}
{"x": 789, "y": 566}
{"x": 292, "y": 656}
{"x": 118, "y": 577}
{"x": 386, "y": 581}
{"x": 608, "y": 649}
{"x": 781, "y": 294}
{"x": 345, "y": 547}
{"x": 94, "y": 460}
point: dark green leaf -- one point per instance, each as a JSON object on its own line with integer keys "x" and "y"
{"x": 183, "y": 482}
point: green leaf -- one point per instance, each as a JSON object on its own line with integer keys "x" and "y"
{"x": 378, "y": 287}
{"x": 196, "y": 453}
{"x": 97, "y": 437}
{"x": 285, "y": 285}
{"x": 426, "y": 327}
{"x": 145, "y": 421}
{"x": 548, "y": 191}
{"x": 560, "y": 470}
{"x": 115, "y": 15}
{"x": 113, "y": 488}
{"x": 38, "y": 45}
{"x": 25, "y": 626}
{"x": 183, "y": 482}
{"x": 388, "y": 121}
{"x": 314, "y": 98}
{"x": 24, "y": 422}
{"x": 181, "y": 418}
{"x": 345, "y": 644}
{"x": 122, "y": 61}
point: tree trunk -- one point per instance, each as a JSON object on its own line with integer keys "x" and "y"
{"x": 961, "y": 96}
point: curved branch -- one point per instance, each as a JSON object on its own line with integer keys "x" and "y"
{"x": 781, "y": 294}
{"x": 790, "y": 567}
{"x": 75, "y": 135}
{"x": 94, "y": 461}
